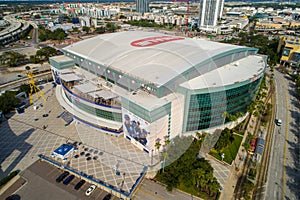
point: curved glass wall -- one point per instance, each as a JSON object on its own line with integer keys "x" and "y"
{"x": 207, "y": 110}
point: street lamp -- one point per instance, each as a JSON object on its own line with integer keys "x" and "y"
{"x": 222, "y": 156}
{"x": 151, "y": 157}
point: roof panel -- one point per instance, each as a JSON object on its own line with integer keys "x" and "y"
{"x": 70, "y": 77}
{"x": 117, "y": 50}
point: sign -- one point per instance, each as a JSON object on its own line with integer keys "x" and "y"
{"x": 146, "y": 42}
{"x": 137, "y": 129}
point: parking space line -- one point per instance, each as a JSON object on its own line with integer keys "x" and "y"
{"x": 99, "y": 194}
{"x": 53, "y": 170}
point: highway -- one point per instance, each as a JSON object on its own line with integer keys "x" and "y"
{"x": 283, "y": 178}
{"x": 15, "y": 84}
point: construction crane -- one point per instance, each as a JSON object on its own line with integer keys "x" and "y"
{"x": 187, "y": 13}
{"x": 34, "y": 89}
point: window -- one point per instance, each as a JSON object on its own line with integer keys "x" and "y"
{"x": 286, "y": 52}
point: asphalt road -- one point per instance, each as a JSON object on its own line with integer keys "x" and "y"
{"x": 17, "y": 83}
{"x": 35, "y": 36}
{"x": 283, "y": 176}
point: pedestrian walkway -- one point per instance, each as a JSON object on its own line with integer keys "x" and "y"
{"x": 237, "y": 165}
{"x": 221, "y": 170}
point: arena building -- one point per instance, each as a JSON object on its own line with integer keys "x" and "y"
{"x": 149, "y": 87}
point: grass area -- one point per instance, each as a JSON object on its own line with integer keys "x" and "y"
{"x": 230, "y": 151}
{"x": 192, "y": 191}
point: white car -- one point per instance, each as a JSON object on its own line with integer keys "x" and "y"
{"x": 90, "y": 190}
{"x": 278, "y": 122}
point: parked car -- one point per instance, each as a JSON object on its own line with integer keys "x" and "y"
{"x": 79, "y": 184}
{"x": 68, "y": 180}
{"x": 62, "y": 176}
{"x": 278, "y": 122}
{"x": 90, "y": 190}
{"x": 107, "y": 197}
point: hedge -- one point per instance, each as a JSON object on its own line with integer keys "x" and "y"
{"x": 8, "y": 178}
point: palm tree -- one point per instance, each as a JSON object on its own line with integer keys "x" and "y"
{"x": 250, "y": 136}
{"x": 239, "y": 114}
{"x": 27, "y": 68}
{"x": 251, "y": 108}
{"x": 167, "y": 142}
{"x": 214, "y": 187}
{"x": 198, "y": 135}
{"x": 246, "y": 145}
{"x": 199, "y": 178}
{"x": 157, "y": 145}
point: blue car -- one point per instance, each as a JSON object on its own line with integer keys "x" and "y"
{"x": 68, "y": 180}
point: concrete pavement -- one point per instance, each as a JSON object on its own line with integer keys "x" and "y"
{"x": 150, "y": 190}
{"x": 237, "y": 165}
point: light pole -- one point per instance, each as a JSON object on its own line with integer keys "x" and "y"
{"x": 151, "y": 157}
{"x": 222, "y": 156}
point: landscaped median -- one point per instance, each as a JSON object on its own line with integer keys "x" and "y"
{"x": 8, "y": 178}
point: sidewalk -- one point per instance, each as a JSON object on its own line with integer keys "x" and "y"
{"x": 228, "y": 190}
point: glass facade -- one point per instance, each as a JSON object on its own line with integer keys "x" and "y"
{"x": 142, "y": 6}
{"x": 210, "y": 10}
{"x": 207, "y": 110}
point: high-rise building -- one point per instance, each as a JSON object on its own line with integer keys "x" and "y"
{"x": 142, "y": 6}
{"x": 210, "y": 11}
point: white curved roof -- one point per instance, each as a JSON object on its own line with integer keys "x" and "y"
{"x": 154, "y": 57}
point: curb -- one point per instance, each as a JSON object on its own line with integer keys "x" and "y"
{"x": 9, "y": 183}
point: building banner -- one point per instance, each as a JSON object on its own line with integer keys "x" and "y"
{"x": 136, "y": 129}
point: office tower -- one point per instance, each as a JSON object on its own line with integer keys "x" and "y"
{"x": 142, "y": 6}
{"x": 210, "y": 11}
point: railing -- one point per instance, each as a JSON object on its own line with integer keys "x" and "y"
{"x": 114, "y": 131}
{"x": 87, "y": 100}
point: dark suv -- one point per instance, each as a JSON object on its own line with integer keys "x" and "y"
{"x": 79, "y": 184}
{"x": 68, "y": 180}
{"x": 107, "y": 197}
{"x": 62, "y": 176}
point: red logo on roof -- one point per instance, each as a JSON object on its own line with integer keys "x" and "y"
{"x": 154, "y": 41}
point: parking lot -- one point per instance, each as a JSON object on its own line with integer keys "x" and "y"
{"x": 41, "y": 182}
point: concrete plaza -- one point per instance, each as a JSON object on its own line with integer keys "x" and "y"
{"x": 24, "y": 136}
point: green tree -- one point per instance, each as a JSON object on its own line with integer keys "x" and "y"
{"x": 167, "y": 142}
{"x": 250, "y": 136}
{"x": 24, "y": 88}
{"x": 246, "y": 145}
{"x": 8, "y": 101}
{"x": 224, "y": 140}
{"x": 27, "y": 68}
{"x": 157, "y": 145}
{"x": 37, "y": 16}
{"x": 86, "y": 29}
{"x": 45, "y": 53}
{"x": 34, "y": 59}
{"x": 100, "y": 30}
{"x": 12, "y": 59}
